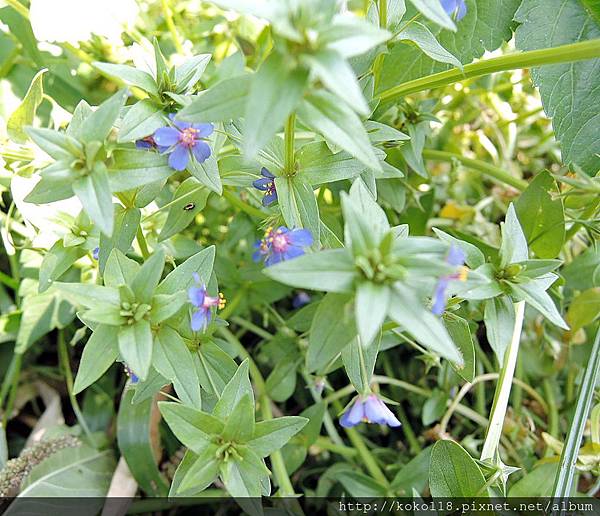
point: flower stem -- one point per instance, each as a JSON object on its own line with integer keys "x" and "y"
{"x": 290, "y": 134}
{"x": 168, "y": 14}
{"x": 494, "y": 431}
{"x": 141, "y": 239}
{"x": 495, "y": 173}
{"x": 10, "y": 385}
{"x": 563, "y": 54}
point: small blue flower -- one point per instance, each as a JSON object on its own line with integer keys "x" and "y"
{"x": 455, "y": 6}
{"x": 282, "y": 244}
{"x": 182, "y": 141}
{"x": 130, "y": 374}
{"x": 266, "y": 184}
{"x": 456, "y": 258}
{"x": 96, "y": 253}
{"x": 199, "y": 298}
{"x": 300, "y": 299}
{"x": 148, "y": 143}
{"x": 369, "y": 409}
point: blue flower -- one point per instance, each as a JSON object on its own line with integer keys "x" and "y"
{"x": 369, "y": 409}
{"x": 130, "y": 374}
{"x": 266, "y": 184}
{"x": 148, "y": 143}
{"x": 182, "y": 141}
{"x": 456, "y": 258}
{"x": 300, "y": 299}
{"x": 96, "y": 253}
{"x": 455, "y": 6}
{"x": 282, "y": 244}
{"x": 199, "y": 298}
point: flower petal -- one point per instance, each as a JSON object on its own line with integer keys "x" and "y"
{"x": 261, "y": 184}
{"x": 439, "y": 296}
{"x": 196, "y": 295}
{"x": 301, "y": 237}
{"x": 179, "y": 158}
{"x": 181, "y": 125}
{"x": 204, "y": 130}
{"x": 265, "y": 173}
{"x": 200, "y": 319}
{"x": 293, "y": 251}
{"x": 456, "y": 256}
{"x": 354, "y": 415}
{"x": 166, "y": 136}
{"x": 201, "y": 151}
{"x": 269, "y": 199}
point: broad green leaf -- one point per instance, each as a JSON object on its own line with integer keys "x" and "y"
{"x": 189, "y": 72}
{"x": 215, "y": 368}
{"x": 421, "y": 36}
{"x": 332, "y": 271}
{"x": 537, "y": 482}
{"x": 141, "y": 120}
{"x": 275, "y": 92}
{"x": 129, "y": 75}
{"x": 322, "y": 112}
{"x": 271, "y": 435}
{"x": 56, "y": 144}
{"x": 584, "y": 309}
{"x": 56, "y": 183}
{"x": 360, "y": 485}
{"x": 281, "y": 383}
{"x": 542, "y": 216}
{"x": 433, "y": 10}
{"x": 453, "y": 473}
{"x": 593, "y": 7}
{"x": 414, "y": 474}
{"x": 371, "y": 307}
{"x": 350, "y": 36}
{"x": 192, "y": 427}
{"x": 327, "y": 340}
{"x": 406, "y": 309}
{"x": 486, "y": 26}
{"x": 127, "y": 221}
{"x": 338, "y": 77}
{"x": 135, "y": 346}
{"x": 88, "y": 295}
{"x": 460, "y": 333}
{"x": 242, "y": 478}
{"x": 298, "y": 205}
{"x": 165, "y": 306}
{"x": 100, "y": 352}
{"x": 239, "y": 427}
{"x": 119, "y": 270}
{"x": 24, "y": 115}
{"x": 359, "y": 362}
{"x": 566, "y": 91}
{"x": 134, "y": 168}
{"x": 77, "y": 472}
{"x": 534, "y": 293}
{"x": 514, "y": 245}
{"x": 188, "y": 200}
{"x": 56, "y": 262}
{"x": 234, "y": 391}
{"x": 173, "y": 360}
{"x": 207, "y": 173}
{"x": 136, "y": 434}
{"x": 318, "y": 165}
{"x": 93, "y": 191}
{"x": 220, "y": 103}
{"x": 98, "y": 125}
{"x": 181, "y": 278}
{"x": 499, "y": 318}
{"x": 202, "y": 472}
{"x": 474, "y": 258}
{"x": 147, "y": 278}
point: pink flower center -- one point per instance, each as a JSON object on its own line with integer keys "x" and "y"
{"x": 188, "y": 137}
{"x": 280, "y": 242}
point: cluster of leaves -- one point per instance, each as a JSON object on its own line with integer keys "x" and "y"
{"x": 424, "y": 269}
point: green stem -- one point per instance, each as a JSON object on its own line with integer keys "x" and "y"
{"x": 566, "y": 472}
{"x": 409, "y": 434}
{"x": 563, "y": 54}
{"x": 19, "y": 7}
{"x": 495, "y": 173}
{"x": 290, "y": 136}
{"x": 238, "y": 203}
{"x": 552, "y": 410}
{"x": 10, "y": 385}
{"x": 141, "y": 239}
{"x": 168, "y": 14}
{"x": 494, "y": 431}
{"x": 65, "y": 363}
{"x": 326, "y": 444}
{"x": 9, "y": 281}
{"x": 383, "y": 14}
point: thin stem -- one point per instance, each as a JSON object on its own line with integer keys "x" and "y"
{"x": 19, "y": 7}
{"x": 566, "y": 472}
{"x": 494, "y": 431}
{"x": 238, "y": 203}
{"x": 494, "y": 173}
{"x": 10, "y": 386}
{"x": 563, "y": 54}
{"x": 65, "y": 363}
{"x": 290, "y": 136}
{"x": 168, "y": 14}
{"x": 141, "y": 239}
{"x": 9, "y": 281}
{"x": 343, "y": 450}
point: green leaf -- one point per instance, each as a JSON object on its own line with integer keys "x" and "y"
{"x": 474, "y": 257}
{"x": 202, "y": 472}
{"x": 242, "y": 478}
{"x": 234, "y": 391}
{"x": 25, "y": 114}
{"x": 514, "y": 244}
{"x": 371, "y": 307}
{"x": 192, "y": 427}
{"x": 134, "y": 168}
{"x": 534, "y": 293}
{"x": 207, "y": 173}
{"x": 593, "y": 7}
{"x": 499, "y": 318}
{"x": 542, "y": 216}
{"x": 56, "y": 262}
{"x": 189, "y": 72}
{"x": 189, "y": 199}
{"x": 338, "y": 77}
{"x": 220, "y": 103}
{"x": 537, "y": 482}
{"x": 331, "y": 270}
{"x": 360, "y": 485}
{"x": 421, "y": 36}
{"x": 239, "y": 427}
{"x": 584, "y": 309}
{"x": 56, "y": 183}
{"x": 98, "y": 125}
{"x": 181, "y": 278}
{"x": 351, "y": 36}
{"x": 147, "y": 278}
{"x": 135, "y": 346}
{"x": 269, "y": 436}
{"x": 129, "y": 75}
{"x": 136, "y": 435}
{"x": 406, "y": 309}
{"x": 93, "y": 191}
{"x": 100, "y": 352}
{"x": 322, "y": 112}
{"x": 281, "y": 383}
{"x": 88, "y": 295}
{"x": 359, "y": 362}
{"x": 318, "y": 165}
{"x": 453, "y": 473}
{"x": 141, "y": 120}
{"x": 565, "y": 88}
{"x": 486, "y": 26}
{"x": 127, "y": 221}
{"x": 78, "y": 472}
{"x": 165, "y": 306}
{"x": 433, "y": 10}
{"x": 327, "y": 340}
{"x": 119, "y": 270}
{"x": 173, "y": 360}
{"x": 414, "y": 474}
{"x": 56, "y": 144}
{"x": 275, "y": 92}
{"x": 298, "y": 205}
{"x": 215, "y": 368}
{"x": 460, "y": 333}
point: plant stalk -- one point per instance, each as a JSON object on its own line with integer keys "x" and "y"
{"x": 290, "y": 136}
